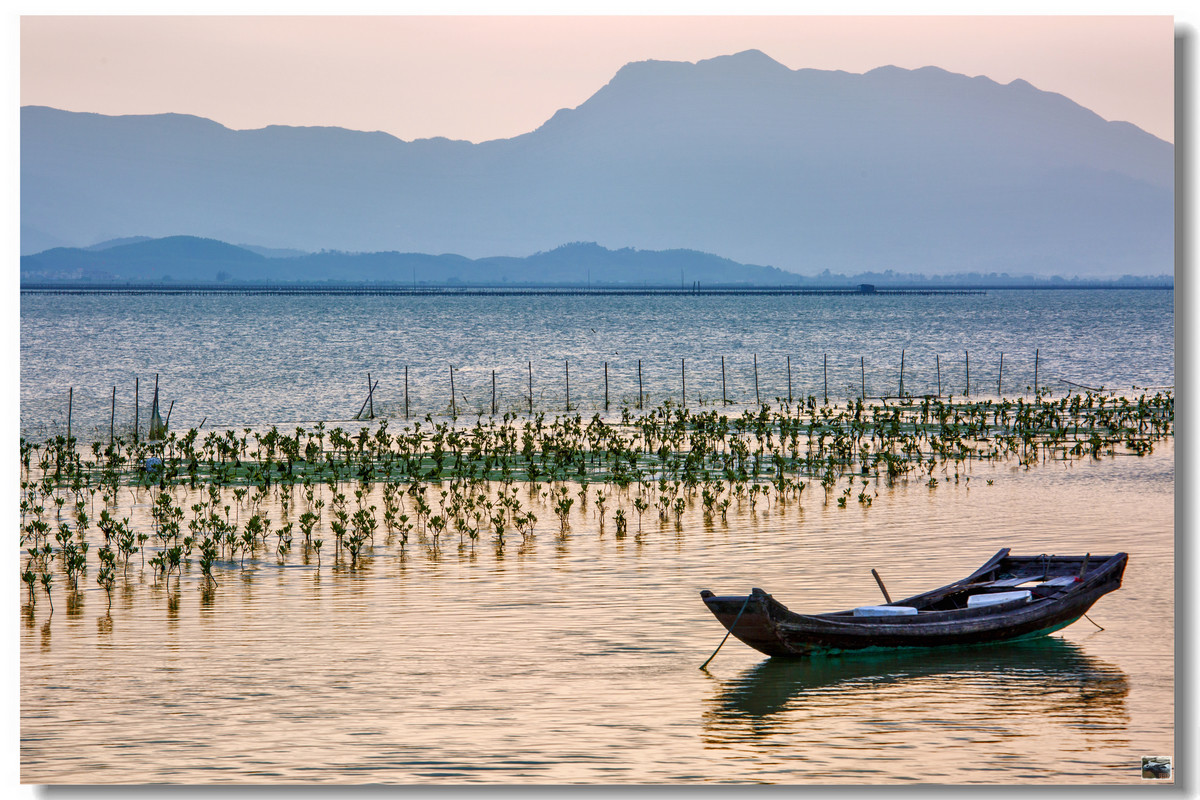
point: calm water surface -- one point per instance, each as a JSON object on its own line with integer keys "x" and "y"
{"x": 253, "y": 360}
{"x": 575, "y": 659}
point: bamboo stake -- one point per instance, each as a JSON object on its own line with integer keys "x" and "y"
{"x": 639, "y": 383}
{"x": 789, "y": 371}
{"x": 453, "y": 407}
{"x": 70, "y": 403}
{"x": 724, "y": 399}
{"x": 406, "y": 391}
{"x": 757, "y": 399}
{"x": 136, "y": 410}
{"x": 1000, "y": 379}
{"x": 1036, "y": 352}
{"x": 112, "y": 420}
{"x": 363, "y": 407}
{"x": 531, "y": 387}
{"x": 967, "y": 391}
{"x": 862, "y": 365}
{"x": 370, "y": 398}
{"x": 827, "y": 379}
{"x": 901, "y": 373}
{"x": 567, "y": 365}
{"x": 606, "y": 386}
{"x": 493, "y": 393}
{"x": 683, "y": 384}
{"x": 939, "y": 373}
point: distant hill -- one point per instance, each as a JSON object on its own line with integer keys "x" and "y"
{"x": 916, "y": 171}
{"x": 117, "y": 242}
{"x": 178, "y": 258}
{"x": 193, "y": 260}
{"x": 274, "y": 252}
{"x": 189, "y": 259}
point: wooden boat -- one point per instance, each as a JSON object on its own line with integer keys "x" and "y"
{"x": 1009, "y": 597}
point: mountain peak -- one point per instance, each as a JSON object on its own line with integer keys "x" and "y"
{"x": 746, "y": 58}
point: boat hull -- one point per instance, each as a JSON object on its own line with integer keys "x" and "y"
{"x": 765, "y": 624}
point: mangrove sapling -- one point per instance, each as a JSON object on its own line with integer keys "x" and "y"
{"x": 47, "y": 578}
{"x": 106, "y": 577}
{"x": 283, "y": 542}
{"x": 30, "y": 578}
{"x": 208, "y": 555}
{"x": 307, "y": 521}
{"x": 640, "y": 505}
{"x": 562, "y": 508}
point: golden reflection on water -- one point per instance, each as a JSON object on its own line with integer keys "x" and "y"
{"x": 985, "y": 694}
{"x": 574, "y": 657}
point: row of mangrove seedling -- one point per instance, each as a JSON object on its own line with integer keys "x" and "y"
{"x": 436, "y": 479}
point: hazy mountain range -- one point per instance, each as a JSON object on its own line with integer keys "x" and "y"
{"x": 177, "y": 260}
{"x": 918, "y": 171}
{"x": 187, "y": 259}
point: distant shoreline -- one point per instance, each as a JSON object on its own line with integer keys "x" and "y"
{"x": 364, "y": 289}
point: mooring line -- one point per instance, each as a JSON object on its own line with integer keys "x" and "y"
{"x": 731, "y": 627}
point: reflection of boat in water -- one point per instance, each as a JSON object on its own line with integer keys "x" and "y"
{"x": 1009, "y": 597}
{"x": 1049, "y": 677}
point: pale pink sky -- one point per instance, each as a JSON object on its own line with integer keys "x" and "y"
{"x": 478, "y": 78}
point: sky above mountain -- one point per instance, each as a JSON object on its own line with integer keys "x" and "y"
{"x": 480, "y": 78}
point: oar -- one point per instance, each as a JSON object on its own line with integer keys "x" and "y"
{"x": 882, "y": 588}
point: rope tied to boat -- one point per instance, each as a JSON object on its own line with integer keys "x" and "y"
{"x": 745, "y": 603}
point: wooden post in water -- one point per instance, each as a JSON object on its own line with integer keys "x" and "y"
{"x": 901, "y": 373}
{"x": 370, "y": 393}
{"x": 862, "y": 366}
{"x": 789, "y": 370}
{"x": 827, "y": 379}
{"x": 112, "y": 420}
{"x": 724, "y": 398}
{"x": 70, "y": 403}
{"x": 493, "y": 393}
{"x": 682, "y": 384}
{"x": 939, "y": 371}
{"x": 1036, "y": 352}
{"x": 639, "y": 383}
{"x": 967, "y": 391}
{"x": 567, "y": 366}
{"x": 606, "y": 386}
{"x": 136, "y": 410}
{"x": 757, "y": 399}
{"x": 1000, "y": 379}
{"x": 406, "y": 391}
{"x": 453, "y": 407}
{"x": 530, "y": 387}
{"x": 370, "y": 398}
